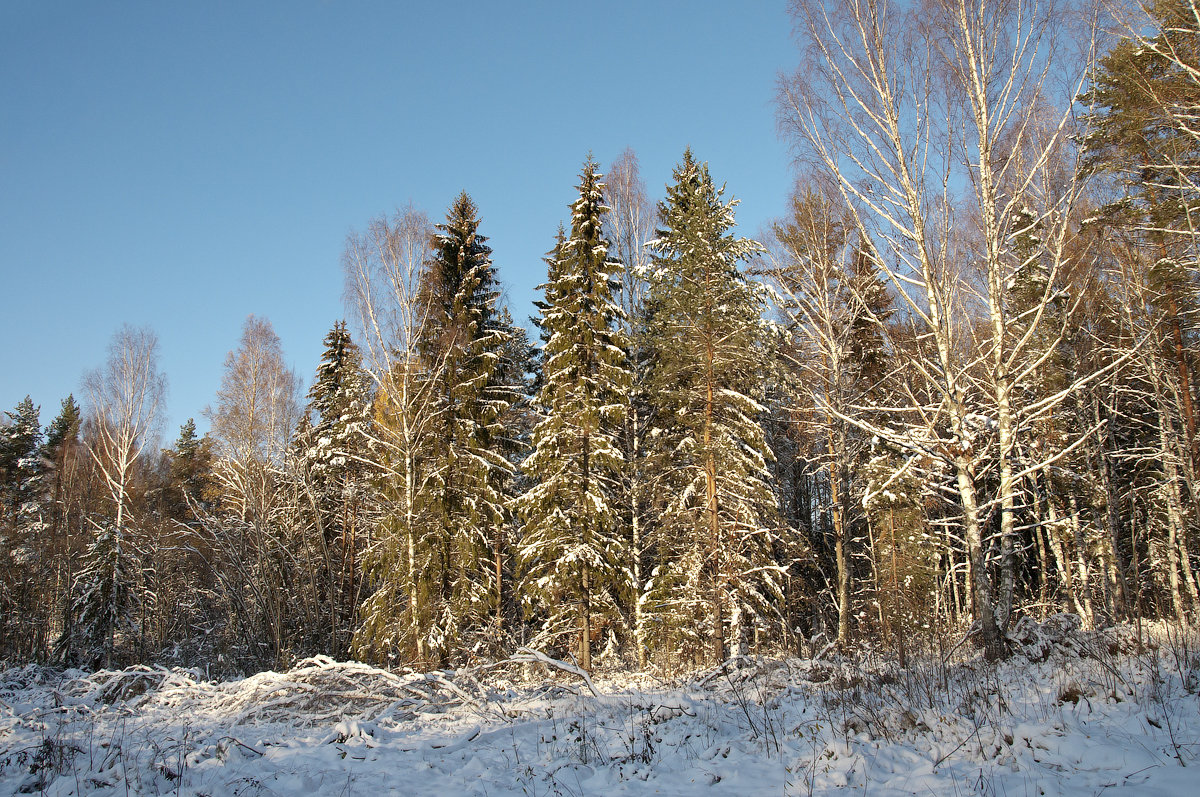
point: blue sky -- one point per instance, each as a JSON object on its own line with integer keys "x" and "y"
{"x": 182, "y": 165}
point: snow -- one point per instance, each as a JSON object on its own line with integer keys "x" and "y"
{"x": 1071, "y": 713}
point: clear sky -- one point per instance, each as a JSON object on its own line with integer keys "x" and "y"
{"x": 182, "y": 165}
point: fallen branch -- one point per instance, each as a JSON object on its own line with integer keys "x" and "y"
{"x": 527, "y": 655}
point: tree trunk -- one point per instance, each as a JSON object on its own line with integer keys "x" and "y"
{"x": 993, "y": 639}
{"x": 1081, "y": 556}
{"x": 585, "y": 599}
{"x": 841, "y": 554}
{"x": 1112, "y": 515}
{"x": 635, "y": 553}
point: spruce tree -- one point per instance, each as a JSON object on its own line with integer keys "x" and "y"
{"x": 189, "y": 467}
{"x": 717, "y": 519}
{"x": 103, "y": 610}
{"x": 184, "y": 476}
{"x": 333, "y": 451}
{"x": 338, "y": 428}
{"x": 865, "y": 307}
{"x": 869, "y": 307}
{"x": 462, "y": 506}
{"x": 22, "y": 526}
{"x": 571, "y": 551}
{"x": 60, "y": 452}
{"x": 21, "y": 469}
{"x": 518, "y": 370}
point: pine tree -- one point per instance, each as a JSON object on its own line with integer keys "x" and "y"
{"x": 571, "y": 551}
{"x": 1143, "y": 136}
{"x": 1143, "y": 99}
{"x": 716, "y": 523}
{"x": 64, "y": 428}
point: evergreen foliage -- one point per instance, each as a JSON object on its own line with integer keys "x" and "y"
{"x": 334, "y": 455}
{"x": 64, "y": 428}
{"x": 1143, "y": 102}
{"x": 188, "y": 474}
{"x": 21, "y": 472}
{"x": 23, "y": 509}
{"x": 102, "y": 615}
{"x": 717, "y": 514}
{"x": 1142, "y": 105}
{"x": 970, "y": 404}
{"x": 457, "y": 525}
{"x": 571, "y": 551}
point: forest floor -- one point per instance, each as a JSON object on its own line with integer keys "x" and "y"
{"x": 1071, "y": 712}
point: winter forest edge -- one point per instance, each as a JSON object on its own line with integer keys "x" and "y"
{"x": 952, "y": 391}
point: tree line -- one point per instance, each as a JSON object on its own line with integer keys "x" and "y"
{"x": 954, "y": 384}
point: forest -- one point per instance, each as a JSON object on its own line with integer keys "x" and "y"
{"x": 954, "y": 385}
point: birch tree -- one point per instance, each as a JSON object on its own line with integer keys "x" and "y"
{"x": 834, "y": 307}
{"x": 124, "y": 398}
{"x": 257, "y": 409}
{"x": 923, "y": 119}
{"x": 382, "y": 267}
{"x": 630, "y": 225}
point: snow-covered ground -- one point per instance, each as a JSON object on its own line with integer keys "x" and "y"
{"x": 1071, "y": 713}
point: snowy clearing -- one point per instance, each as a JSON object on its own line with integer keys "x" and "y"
{"x": 1070, "y": 713}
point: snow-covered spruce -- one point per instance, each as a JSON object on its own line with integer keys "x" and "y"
{"x": 571, "y": 550}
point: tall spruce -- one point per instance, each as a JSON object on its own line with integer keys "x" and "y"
{"x": 571, "y": 550}
{"x": 465, "y": 469}
{"x": 706, "y": 343}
